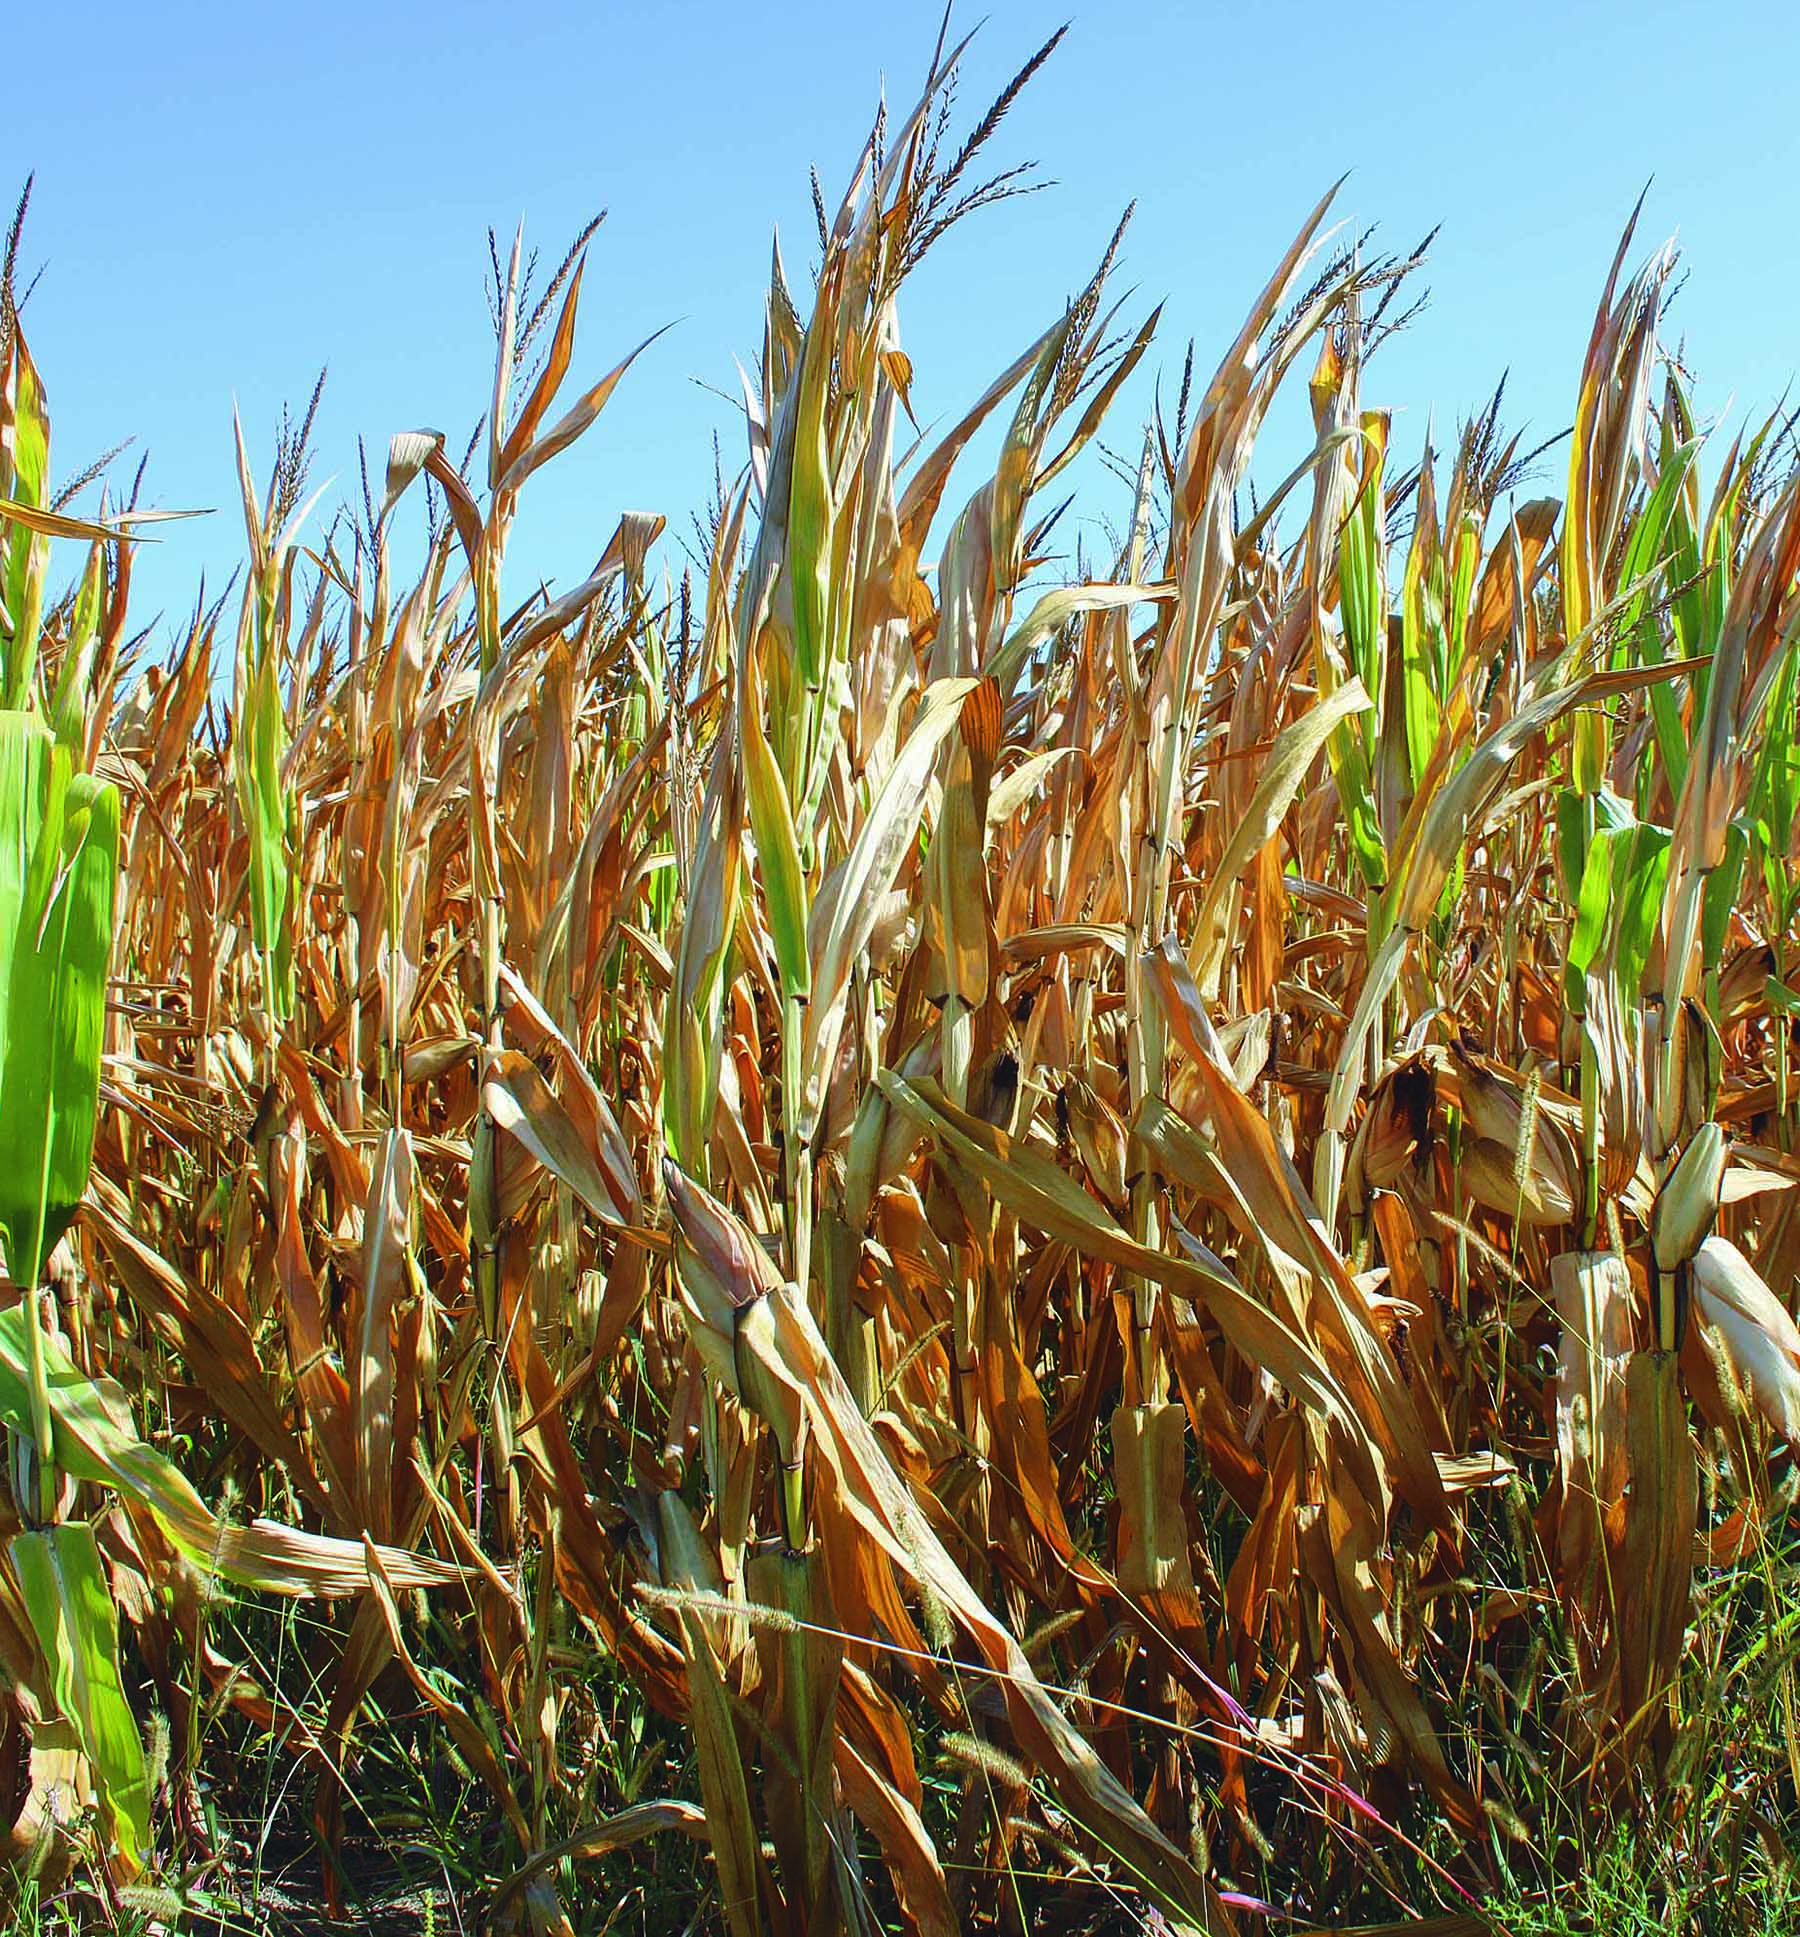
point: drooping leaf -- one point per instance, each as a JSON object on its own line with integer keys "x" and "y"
{"x": 73, "y": 1617}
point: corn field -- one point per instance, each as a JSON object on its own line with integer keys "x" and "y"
{"x": 891, "y": 1232}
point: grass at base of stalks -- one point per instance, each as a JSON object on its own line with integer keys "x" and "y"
{"x": 1639, "y": 1887}
{"x": 1711, "y": 1846}
{"x": 424, "y": 1846}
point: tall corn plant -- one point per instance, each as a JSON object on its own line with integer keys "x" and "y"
{"x": 271, "y": 815}
{"x": 830, "y": 740}
{"x": 60, "y": 852}
{"x": 59, "y": 845}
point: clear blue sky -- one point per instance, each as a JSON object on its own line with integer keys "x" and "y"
{"x": 230, "y": 195}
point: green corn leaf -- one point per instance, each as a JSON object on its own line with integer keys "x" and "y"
{"x": 1421, "y": 644}
{"x": 76, "y": 1625}
{"x": 1654, "y": 538}
{"x": 1593, "y": 910}
{"x": 68, "y": 709}
{"x": 1682, "y": 548}
{"x": 268, "y": 827}
{"x": 1348, "y": 748}
{"x": 1640, "y": 907}
{"x": 24, "y": 476}
{"x": 1716, "y": 558}
{"x": 1365, "y": 829}
{"x": 1721, "y": 895}
{"x": 1779, "y": 996}
{"x": 1617, "y": 901}
{"x": 1422, "y": 628}
{"x": 1775, "y": 783}
{"x": 1361, "y": 576}
{"x": 1671, "y": 740}
{"x": 259, "y": 751}
{"x": 1466, "y": 563}
{"x": 809, "y": 498}
{"x": 778, "y": 851}
{"x": 690, "y": 1032}
{"x": 1662, "y": 536}
{"x": 59, "y": 848}
{"x": 1571, "y": 842}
